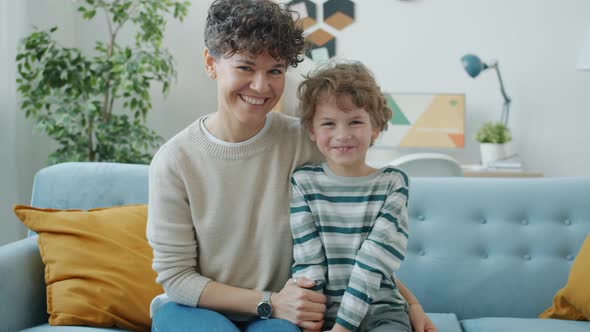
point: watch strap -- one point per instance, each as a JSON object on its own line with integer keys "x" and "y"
{"x": 266, "y": 296}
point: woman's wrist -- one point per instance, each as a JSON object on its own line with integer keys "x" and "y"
{"x": 273, "y": 303}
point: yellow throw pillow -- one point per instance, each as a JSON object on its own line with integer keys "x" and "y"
{"x": 97, "y": 265}
{"x": 573, "y": 301}
{"x": 562, "y": 309}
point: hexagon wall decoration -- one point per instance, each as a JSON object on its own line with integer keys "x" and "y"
{"x": 322, "y": 21}
{"x": 321, "y": 39}
{"x": 307, "y": 12}
{"x": 339, "y": 13}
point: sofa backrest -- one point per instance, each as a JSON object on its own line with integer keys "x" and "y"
{"x": 482, "y": 247}
{"x": 80, "y": 185}
{"x": 478, "y": 247}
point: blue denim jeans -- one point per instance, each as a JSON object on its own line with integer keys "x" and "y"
{"x": 174, "y": 317}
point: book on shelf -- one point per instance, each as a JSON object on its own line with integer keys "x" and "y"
{"x": 506, "y": 165}
{"x": 512, "y": 163}
{"x": 482, "y": 168}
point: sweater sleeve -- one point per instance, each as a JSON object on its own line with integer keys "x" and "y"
{"x": 170, "y": 232}
{"x": 308, "y": 252}
{"x": 378, "y": 258}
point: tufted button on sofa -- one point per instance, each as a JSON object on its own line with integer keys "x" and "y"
{"x": 484, "y": 254}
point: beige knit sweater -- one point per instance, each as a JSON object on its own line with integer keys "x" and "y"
{"x": 221, "y": 212}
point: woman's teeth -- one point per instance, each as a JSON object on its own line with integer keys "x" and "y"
{"x": 252, "y": 100}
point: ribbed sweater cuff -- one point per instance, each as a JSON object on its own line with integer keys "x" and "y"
{"x": 190, "y": 290}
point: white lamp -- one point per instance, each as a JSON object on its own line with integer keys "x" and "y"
{"x": 584, "y": 59}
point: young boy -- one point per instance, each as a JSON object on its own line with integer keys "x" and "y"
{"x": 349, "y": 221}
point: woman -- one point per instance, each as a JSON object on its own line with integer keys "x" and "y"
{"x": 218, "y": 217}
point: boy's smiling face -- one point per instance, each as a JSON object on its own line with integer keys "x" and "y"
{"x": 343, "y": 133}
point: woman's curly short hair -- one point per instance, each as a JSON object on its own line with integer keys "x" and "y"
{"x": 344, "y": 79}
{"x": 254, "y": 27}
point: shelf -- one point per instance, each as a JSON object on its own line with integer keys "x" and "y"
{"x": 481, "y": 171}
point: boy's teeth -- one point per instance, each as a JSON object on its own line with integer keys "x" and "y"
{"x": 253, "y": 101}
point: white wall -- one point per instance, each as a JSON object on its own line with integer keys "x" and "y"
{"x": 412, "y": 46}
{"x": 537, "y": 44}
{"x": 9, "y": 226}
{"x": 415, "y": 46}
{"x": 23, "y": 151}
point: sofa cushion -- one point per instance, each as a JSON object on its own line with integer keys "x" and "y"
{"x": 505, "y": 324}
{"x": 445, "y": 322}
{"x": 97, "y": 265}
{"x": 49, "y": 328}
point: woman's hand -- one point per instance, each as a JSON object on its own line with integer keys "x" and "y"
{"x": 302, "y": 307}
{"x": 420, "y": 321}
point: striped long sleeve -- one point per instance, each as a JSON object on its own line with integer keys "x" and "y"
{"x": 308, "y": 252}
{"x": 378, "y": 259}
{"x": 350, "y": 236}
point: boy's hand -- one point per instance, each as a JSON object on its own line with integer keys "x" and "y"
{"x": 339, "y": 328}
{"x": 420, "y": 321}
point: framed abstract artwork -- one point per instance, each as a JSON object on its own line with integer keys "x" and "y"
{"x": 425, "y": 121}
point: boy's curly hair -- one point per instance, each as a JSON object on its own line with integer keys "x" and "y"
{"x": 340, "y": 80}
{"x": 253, "y": 27}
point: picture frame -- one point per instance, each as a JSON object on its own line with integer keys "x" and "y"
{"x": 425, "y": 120}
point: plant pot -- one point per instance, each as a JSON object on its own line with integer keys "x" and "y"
{"x": 491, "y": 152}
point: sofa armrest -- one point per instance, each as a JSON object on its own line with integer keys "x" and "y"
{"x": 22, "y": 285}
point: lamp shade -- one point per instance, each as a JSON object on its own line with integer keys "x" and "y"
{"x": 584, "y": 58}
{"x": 472, "y": 64}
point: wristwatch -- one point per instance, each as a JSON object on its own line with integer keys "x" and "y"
{"x": 264, "y": 308}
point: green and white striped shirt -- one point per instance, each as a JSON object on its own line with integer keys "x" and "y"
{"x": 350, "y": 236}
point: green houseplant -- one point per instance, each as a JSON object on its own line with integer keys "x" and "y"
{"x": 492, "y": 137}
{"x": 493, "y": 132}
{"x": 95, "y": 106}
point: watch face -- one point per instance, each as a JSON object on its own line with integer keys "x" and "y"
{"x": 264, "y": 310}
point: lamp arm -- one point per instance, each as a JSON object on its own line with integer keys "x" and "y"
{"x": 507, "y": 100}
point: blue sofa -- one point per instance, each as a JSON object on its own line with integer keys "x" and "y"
{"x": 484, "y": 254}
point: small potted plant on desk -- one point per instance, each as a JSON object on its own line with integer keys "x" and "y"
{"x": 493, "y": 137}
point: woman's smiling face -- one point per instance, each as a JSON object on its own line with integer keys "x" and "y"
{"x": 247, "y": 87}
